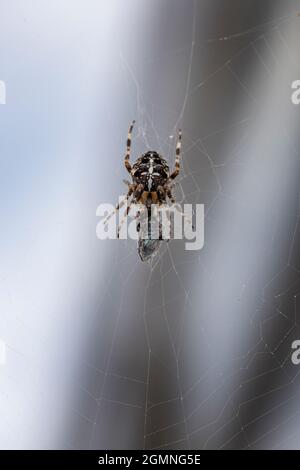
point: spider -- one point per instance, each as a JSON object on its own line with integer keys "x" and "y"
{"x": 151, "y": 179}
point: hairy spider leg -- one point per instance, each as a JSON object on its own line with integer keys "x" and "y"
{"x": 128, "y": 148}
{"x": 172, "y": 199}
{"x": 189, "y": 220}
{"x": 121, "y": 204}
{"x": 137, "y": 193}
{"x": 177, "y": 158}
{"x": 170, "y": 196}
{"x": 167, "y": 212}
{"x": 161, "y": 193}
{"x": 123, "y": 220}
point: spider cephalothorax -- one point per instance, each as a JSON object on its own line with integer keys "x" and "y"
{"x": 151, "y": 178}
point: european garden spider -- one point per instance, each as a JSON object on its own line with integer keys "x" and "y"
{"x": 151, "y": 179}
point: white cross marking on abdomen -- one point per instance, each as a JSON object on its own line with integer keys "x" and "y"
{"x": 150, "y": 173}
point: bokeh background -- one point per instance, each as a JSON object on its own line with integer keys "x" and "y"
{"x": 192, "y": 351}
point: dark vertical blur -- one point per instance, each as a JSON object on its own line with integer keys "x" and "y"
{"x": 194, "y": 352}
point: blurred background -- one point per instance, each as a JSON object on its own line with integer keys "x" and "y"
{"x": 193, "y": 350}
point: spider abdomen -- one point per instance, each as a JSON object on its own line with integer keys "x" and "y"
{"x": 150, "y": 170}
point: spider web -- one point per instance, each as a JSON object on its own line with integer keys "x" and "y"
{"x": 192, "y": 350}
{"x": 198, "y": 350}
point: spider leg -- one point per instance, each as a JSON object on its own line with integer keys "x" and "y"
{"x": 127, "y": 155}
{"x": 138, "y": 224}
{"x": 177, "y": 158}
{"x": 170, "y": 195}
{"x": 167, "y": 213}
{"x": 121, "y": 204}
{"x": 161, "y": 193}
{"x": 172, "y": 199}
{"x": 123, "y": 220}
{"x": 188, "y": 219}
{"x": 137, "y": 191}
